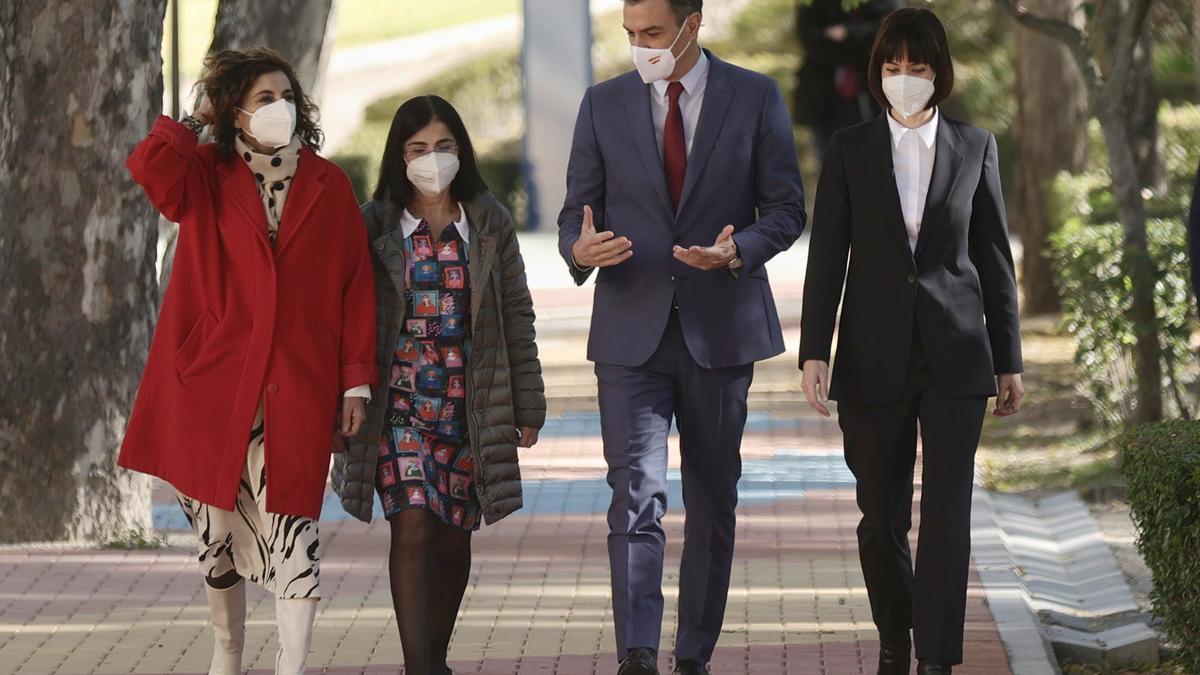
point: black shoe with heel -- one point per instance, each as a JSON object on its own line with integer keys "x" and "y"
{"x": 641, "y": 661}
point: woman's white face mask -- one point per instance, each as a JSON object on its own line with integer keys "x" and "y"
{"x": 433, "y": 172}
{"x": 273, "y": 124}
{"x": 907, "y": 94}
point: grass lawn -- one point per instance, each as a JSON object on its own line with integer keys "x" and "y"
{"x": 1052, "y": 444}
{"x": 358, "y": 22}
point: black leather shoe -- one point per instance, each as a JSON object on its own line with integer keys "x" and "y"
{"x": 927, "y": 668}
{"x": 690, "y": 668}
{"x": 894, "y": 658}
{"x": 641, "y": 661}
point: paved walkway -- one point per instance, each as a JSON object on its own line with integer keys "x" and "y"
{"x": 538, "y": 597}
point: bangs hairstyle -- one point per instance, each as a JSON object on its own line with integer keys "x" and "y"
{"x": 227, "y": 78}
{"x": 915, "y": 34}
{"x": 412, "y": 116}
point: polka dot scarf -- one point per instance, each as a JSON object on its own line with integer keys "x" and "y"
{"x": 273, "y": 175}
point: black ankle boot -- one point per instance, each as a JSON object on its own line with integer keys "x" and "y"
{"x": 894, "y": 658}
{"x": 929, "y": 668}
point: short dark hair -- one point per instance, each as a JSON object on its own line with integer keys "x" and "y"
{"x": 914, "y": 33}
{"x": 682, "y": 8}
{"x": 228, "y": 74}
{"x": 412, "y": 116}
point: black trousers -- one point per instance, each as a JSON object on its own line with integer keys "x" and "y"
{"x": 880, "y": 444}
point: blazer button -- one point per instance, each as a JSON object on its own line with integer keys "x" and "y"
{"x": 272, "y": 389}
{"x": 912, "y": 278}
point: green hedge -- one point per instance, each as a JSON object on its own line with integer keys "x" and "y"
{"x": 1097, "y": 304}
{"x": 1161, "y": 463}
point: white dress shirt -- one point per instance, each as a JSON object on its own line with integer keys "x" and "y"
{"x": 408, "y": 225}
{"x": 690, "y": 102}
{"x": 913, "y": 152}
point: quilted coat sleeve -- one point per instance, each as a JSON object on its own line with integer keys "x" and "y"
{"x": 167, "y": 167}
{"x": 358, "y": 302}
{"x": 529, "y": 393}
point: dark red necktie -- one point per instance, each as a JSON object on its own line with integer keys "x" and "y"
{"x": 674, "y": 145}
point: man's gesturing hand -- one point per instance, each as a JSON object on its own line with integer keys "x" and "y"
{"x": 599, "y": 249}
{"x": 714, "y": 257}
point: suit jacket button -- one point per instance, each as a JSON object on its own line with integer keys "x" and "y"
{"x": 912, "y": 278}
{"x": 272, "y": 389}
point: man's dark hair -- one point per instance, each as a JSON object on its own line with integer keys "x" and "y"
{"x": 682, "y": 8}
{"x": 916, "y": 34}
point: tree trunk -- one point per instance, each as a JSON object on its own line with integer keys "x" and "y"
{"x": 77, "y": 253}
{"x": 297, "y": 29}
{"x": 1196, "y": 46}
{"x": 1136, "y": 261}
{"x": 1142, "y": 99}
{"x": 1051, "y": 131}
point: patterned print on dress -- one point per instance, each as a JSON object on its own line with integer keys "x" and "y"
{"x": 425, "y": 459}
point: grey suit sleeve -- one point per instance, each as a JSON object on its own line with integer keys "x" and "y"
{"x": 828, "y": 250}
{"x": 992, "y": 255}
{"x": 585, "y": 187}
{"x": 781, "y": 215}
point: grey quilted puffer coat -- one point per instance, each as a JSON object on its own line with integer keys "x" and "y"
{"x": 504, "y": 376}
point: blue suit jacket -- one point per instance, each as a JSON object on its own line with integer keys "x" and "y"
{"x": 742, "y": 171}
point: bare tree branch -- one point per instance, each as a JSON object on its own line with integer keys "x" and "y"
{"x": 1131, "y": 31}
{"x": 1069, "y": 35}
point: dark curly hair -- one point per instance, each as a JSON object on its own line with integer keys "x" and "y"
{"x": 229, "y": 74}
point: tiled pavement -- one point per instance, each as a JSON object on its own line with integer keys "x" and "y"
{"x": 538, "y": 597}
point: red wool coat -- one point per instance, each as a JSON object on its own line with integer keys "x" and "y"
{"x": 240, "y": 324}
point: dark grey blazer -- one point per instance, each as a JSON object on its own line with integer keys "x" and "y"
{"x": 742, "y": 171}
{"x": 959, "y": 285}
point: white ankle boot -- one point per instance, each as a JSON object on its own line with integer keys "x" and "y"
{"x": 228, "y": 611}
{"x": 294, "y": 621}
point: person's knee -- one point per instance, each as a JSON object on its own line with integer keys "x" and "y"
{"x": 227, "y": 580}
{"x": 412, "y": 530}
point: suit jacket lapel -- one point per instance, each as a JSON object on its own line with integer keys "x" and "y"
{"x": 718, "y": 94}
{"x": 946, "y": 163}
{"x": 237, "y": 184}
{"x": 637, "y": 105}
{"x": 306, "y": 189}
{"x": 884, "y": 175}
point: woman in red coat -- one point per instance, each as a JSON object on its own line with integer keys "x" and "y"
{"x": 268, "y": 320}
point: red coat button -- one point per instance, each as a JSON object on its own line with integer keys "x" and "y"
{"x": 272, "y": 389}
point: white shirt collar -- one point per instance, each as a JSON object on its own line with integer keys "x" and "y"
{"x": 409, "y": 223}
{"x": 926, "y": 132}
{"x": 691, "y": 81}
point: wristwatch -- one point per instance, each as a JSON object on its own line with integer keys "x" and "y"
{"x": 192, "y": 123}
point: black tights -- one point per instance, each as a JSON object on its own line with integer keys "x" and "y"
{"x": 430, "y": 564}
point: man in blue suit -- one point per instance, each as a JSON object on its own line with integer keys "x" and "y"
{"x": 682, "y": 183}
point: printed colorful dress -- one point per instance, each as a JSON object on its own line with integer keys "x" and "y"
{"x": 425, "y": 458}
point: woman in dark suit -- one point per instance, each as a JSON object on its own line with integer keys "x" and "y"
{"x": 909, "y": 213}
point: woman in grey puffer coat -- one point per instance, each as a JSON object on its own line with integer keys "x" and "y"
{"x": 461, "y": 386}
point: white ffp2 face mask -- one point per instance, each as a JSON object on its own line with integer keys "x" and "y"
{"x": 907, "y": 94}
{"x": 432, "y": 173}
{"x": 273, "y": 124}
{"x": 656, "y": 64}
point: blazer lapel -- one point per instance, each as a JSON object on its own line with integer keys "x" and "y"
{"x": 637, "y": 105}
{"x": 718, "y": 94}
{"x": 306, "y": 189}
{"x": 884, "y": 175}
{"x": 238, "y": 184}
{"x": 946, "y": 163}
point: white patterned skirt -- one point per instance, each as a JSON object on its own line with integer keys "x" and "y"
{"x": 280, "y": 553}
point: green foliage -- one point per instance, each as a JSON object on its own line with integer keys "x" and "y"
{"x": 1161, "y": 464}
{"x": 1097, "y": 300}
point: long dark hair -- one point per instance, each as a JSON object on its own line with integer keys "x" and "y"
{"x": 229, "y": 73}
{"x": 412, "y": 116}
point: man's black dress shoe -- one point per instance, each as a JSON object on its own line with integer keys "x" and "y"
{"x": 927, "y": 668}
{"x": 894, "y": 658}
{"x": 690, "y": 668}
{"x": 641, "y": 661}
